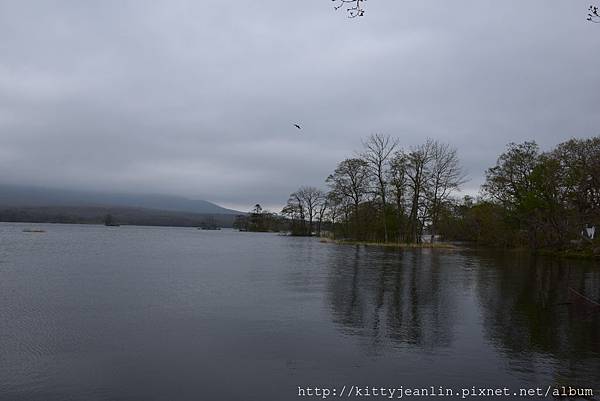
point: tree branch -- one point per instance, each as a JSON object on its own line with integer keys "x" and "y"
{"x": 593, "y": 14}
{"x": 354, "y": 11}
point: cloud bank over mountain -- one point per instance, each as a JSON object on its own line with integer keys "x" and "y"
{"x": 198, "y": 99}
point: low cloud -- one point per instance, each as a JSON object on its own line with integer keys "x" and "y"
{"x": 199, "y": 100}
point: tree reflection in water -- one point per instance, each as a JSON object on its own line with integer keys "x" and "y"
{"x": 520, "y": 305}
{"x": 529, "y": 314}
{"x": 393, "y": 296}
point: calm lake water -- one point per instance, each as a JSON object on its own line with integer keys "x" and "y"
{"x": 140, "y": 313}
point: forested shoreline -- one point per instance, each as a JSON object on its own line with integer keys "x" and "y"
{"x": 389, "y": 194}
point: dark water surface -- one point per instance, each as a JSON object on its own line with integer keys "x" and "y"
{"x": 136, "y": 313}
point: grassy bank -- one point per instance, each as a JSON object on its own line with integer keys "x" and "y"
{"x": 586, "y": 253}
{"x": 435, "y": 245}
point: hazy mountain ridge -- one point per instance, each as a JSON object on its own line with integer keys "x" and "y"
{"x": 120, "y": 215}
{"x": 49, "y": 205}
{"x": 13, "y": 196}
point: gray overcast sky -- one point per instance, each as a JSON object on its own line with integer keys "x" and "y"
{"x": 198, "y": 98}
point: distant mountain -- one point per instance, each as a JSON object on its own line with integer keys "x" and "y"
{"x": 12, "y": 196}
{"x": 119, "y": 215}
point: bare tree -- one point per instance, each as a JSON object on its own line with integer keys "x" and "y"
{"x": 322, "y": 205}
{"x": 295, "y": 210}
{"x": 334, "y": 208}
{"x": 355, "y": 7}
{"x": 339, "y": 210}
{"x": 446, "y": 176}
{"x": 378, "y": 149}
{"x": 307, "y": 203}
{"x": 351, "y": 179}
{"x": 418, "y": 163}
{"x": 398, "y": 179}
{"x": 311, "y": 198}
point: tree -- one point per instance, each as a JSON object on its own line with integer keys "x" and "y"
{"x": 295, "y": 211}
{"x": 310, "y": 198}
{"x": 322, "y": 206}
{"x": 510, "y": 179}
{"x": 339, "y": 210}
{"x": 306, "y": 202}
{"x": 398, "y": 180}
{"x": 579, "y": 161}
{"x": 377, "y": 151}
{"x": 417, "y": 172}
{"x": 530, "y": 188}
{"x": 510, "y": 183}
{"x": 544, "y": 208}
{"x": 482, "y": 221}
{"x": 351, "y": 179}
{"x": 446, "y": 176}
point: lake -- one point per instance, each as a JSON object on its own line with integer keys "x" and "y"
{"x": 145, "y": 313}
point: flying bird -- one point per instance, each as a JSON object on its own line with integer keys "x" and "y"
{"x": 297, "y": 126}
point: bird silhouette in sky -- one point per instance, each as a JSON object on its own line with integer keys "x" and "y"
{"x": 297, "y": 126}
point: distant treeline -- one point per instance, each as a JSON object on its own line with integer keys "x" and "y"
{"x": 119, "y": 215}
{"x": 389, "y": 194}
